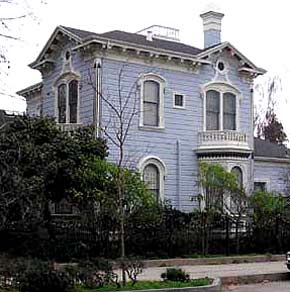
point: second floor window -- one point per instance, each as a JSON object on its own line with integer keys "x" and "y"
{"x": 221, "y": 110}
{"x": 229, "y": 107}
{"x": 67, "y": 102}
{"x": 212, "y": 110}
{"x": 151, "y": 101}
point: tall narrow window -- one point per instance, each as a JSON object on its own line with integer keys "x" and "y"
{"x": 239, "y": 175}
{"x": 212, "y": 110}
{"x": 229, "y": 115}
{"x": 62, "y": 103}
{"x": 151, "y": 102}
{"x": 151, "y": 177}
{"x": 73, "y": 101}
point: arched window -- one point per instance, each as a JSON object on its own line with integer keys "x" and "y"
{"x": 221, "y": 107}
{"x": 153, "y": 173}
{"x": 151, "y": 103}
{"x": 61, "y": 95}
{"x": 67, "y": 101}
{"x": 73, "y": 101}
{"x": 239, "y": 175}
{"x": 229, "y": 108}
{"x": 212, "y": 110}
{"x": 151, "y": 177}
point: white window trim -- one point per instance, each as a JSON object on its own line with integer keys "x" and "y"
{"x": 184, "y": 99}
{"x": 262, "y": 180}
{"x": 66, "y": 79}
{"x": 162, "y": 82}
{"x": 221, "y": 88}
{"x": 161, "y": 168}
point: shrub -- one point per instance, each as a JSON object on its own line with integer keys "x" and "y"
{"x": 46, "y": 281}
{"x": 175, "y": 275}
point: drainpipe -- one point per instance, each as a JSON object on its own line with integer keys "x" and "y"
{"x": 97, "y": 99}
{"x": 178, "y": 174}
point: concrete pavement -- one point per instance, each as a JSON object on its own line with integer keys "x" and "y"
{"x": 262, "y": 287}
{"x": 216, "y": 271}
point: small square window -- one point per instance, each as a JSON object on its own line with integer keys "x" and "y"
{"x": 178, "y": 100}
{"x": 260, "y": 186}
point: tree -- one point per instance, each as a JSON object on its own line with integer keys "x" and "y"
{"x": 221, "y": 195}
{"x": 268, "y": 210}
{"x": 266, "y": 122}
{"x": 122, "y": 108}
{"x": 38, "y": 162}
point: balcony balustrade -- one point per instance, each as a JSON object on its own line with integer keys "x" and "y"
{"x": 215, "y": 140}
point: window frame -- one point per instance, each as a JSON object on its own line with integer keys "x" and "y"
{"x": 221, "y": 88}
{"x": 156, "y": 161}
{"x": 66, "y": 79}
{"x": 184, "y": 100}
{"x": 155, "y": 78}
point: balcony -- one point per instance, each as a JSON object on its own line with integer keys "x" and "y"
{"x": 69, "y": 127}
{"x": 220, "y": 141}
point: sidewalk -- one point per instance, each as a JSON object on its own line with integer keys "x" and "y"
{"x": 215, "y": 271}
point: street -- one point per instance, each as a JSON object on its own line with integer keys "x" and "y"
{"x": 263, "y": 287}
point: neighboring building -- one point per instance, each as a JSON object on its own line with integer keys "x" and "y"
{"x": 193, "y": 104}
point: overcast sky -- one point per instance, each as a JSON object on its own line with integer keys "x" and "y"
{"x": 259, "y": 29}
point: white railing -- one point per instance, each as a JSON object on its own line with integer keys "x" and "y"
{"x": 69, "y": 127}
{"x": 211, "y": 139}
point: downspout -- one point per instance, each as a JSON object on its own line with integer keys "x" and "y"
{"x": 97, "y": 99}
{"x": 178, "y": 174}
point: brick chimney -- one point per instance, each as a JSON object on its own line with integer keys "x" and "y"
{"x": 212, "y": 23}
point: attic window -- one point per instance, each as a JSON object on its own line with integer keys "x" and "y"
{"x": 67, "y": 55}
{"x": 221, "y": 66}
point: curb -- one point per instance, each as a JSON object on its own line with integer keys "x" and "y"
{"x": 216, "y": 286}
{"x": 252, "y": 279}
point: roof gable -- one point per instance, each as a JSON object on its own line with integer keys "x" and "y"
{"x": 247, "y": 65}
{"x": 60, "y": 30}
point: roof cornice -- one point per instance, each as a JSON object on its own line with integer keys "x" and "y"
{"x": 108, "y": 43}
{"x": 272, "y": 159}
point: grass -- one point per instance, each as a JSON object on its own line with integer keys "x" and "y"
{"x": 147, "y": 285}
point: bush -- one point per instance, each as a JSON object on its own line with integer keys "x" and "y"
{"x": 47, "y": 281}
{"x": 175, "y": 275}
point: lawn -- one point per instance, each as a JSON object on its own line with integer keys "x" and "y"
{"x": 146, "y": 285}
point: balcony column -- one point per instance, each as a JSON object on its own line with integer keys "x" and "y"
{"x": 221, "y": 111}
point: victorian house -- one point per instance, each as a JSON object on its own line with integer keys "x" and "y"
{"x": 191, "y": 104}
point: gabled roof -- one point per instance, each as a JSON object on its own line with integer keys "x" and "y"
{"x": 28, "y": 90}
{"x": 263, "y": 148}
{"x": 248, "y": 65}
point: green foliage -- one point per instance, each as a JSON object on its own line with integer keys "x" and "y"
{"x": 38, "y": 162}
{"x": 97, "y": 182}
{"x": 217, "y": 183}
{"x": 175, "y": 275}
{"x": 46, "y": 281}
{"x": 267, "y": 207}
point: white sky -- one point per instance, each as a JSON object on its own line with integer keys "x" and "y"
{"x": 259, "y": 29}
